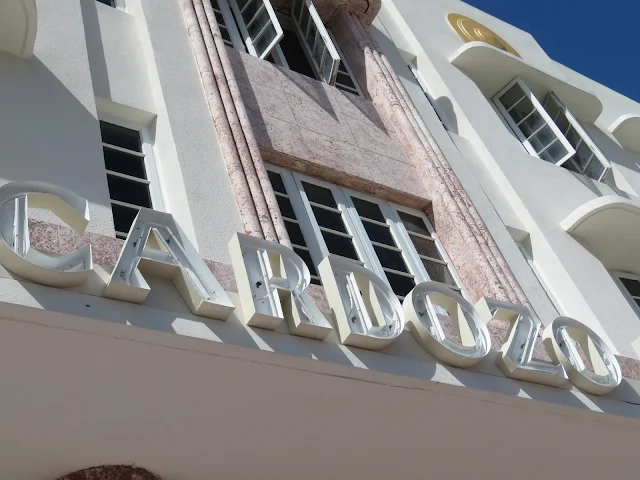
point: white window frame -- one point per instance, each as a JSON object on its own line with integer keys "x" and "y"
{"x": 279, "y": 58}
{"x": 541, "y": 111}
{"x": 345, "y": 71}
{"x": 229, "y": 25}
{"x": 627, "y": 294}
{"x": 575, "y": 124}
{"x": 355, "y": 228}
{"x": 244, "y": 27}
{"x": 427, "y": 92}
{"x": 323, "y": 34}
{"x": 153, "y": 178}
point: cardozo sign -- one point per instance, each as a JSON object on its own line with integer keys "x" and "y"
{"x": 272, "y": 286}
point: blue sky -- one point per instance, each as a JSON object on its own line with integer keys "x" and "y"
{"x": 598, "y": 39}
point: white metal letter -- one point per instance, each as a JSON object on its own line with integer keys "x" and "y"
{"x": 423, "y": 305}
{"x": 560, "y": 338}
{"x": 157, "y": 245}
{"x": 272, "y": 282}
{"x": 515, "y": 357}
{"x": 368, "y": 313}
{"x": 70, "y": 270}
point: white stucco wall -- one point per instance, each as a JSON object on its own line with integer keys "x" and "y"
{"x": 184, "y": 130}
{"x": 132, "y": 66}
{"x": 48, "y": 126}
{"x": 533, "y": 196}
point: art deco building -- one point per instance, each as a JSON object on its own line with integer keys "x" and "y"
{"x": 221, "y": 222}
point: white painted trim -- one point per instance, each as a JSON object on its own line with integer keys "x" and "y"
{"x": 575, "y": 124}
{"x": 150, "y": 164}
{"x": 312, "y": 232}
{"x": 230, "y": 25}
{"x": 540, "y": 109}
{"x": 249, "y": 42}
{"x": 324, "y": 36}
{"x": 346, "y": 65}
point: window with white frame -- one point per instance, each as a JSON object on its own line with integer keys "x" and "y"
{"x": 131, "y": 174}
{"x": 425, "y": 90}
{"x": 396, "y": 243}
{"x": 550, "y": 132}
{"x": 630, "y": 285}
{"x": 296, "y": 39}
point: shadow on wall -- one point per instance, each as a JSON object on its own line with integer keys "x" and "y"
{"x": 47, "y": 133}
{"x": 442, "y": 106}
{"x": 95, "y": 49}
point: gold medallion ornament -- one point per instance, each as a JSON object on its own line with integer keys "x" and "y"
{"x": 471, "y": 31}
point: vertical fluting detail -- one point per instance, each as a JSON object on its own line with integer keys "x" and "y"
{"x": 254, "y": 196}
{"x": 453, "y": 210}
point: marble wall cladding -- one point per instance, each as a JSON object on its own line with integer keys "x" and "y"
{"x": 314, "y": 128}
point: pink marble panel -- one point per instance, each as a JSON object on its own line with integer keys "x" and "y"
{"x": 389, "y": 173}
{"x": 334, "y": 153}
{"x": 43, "y": 236}
{"x": 324, "y": 119}
{"x": 307, "y": 88}
{"x": 260, "y": 71}
{"x": 265, "y": 100}
{"x": 224, "y": 275}
{"x": 360, "y": 108}
{"x": 630, "y": 367}
{"x": 275, "y": 134}
{"x": 499, "y": 332}
{"x": 372, "y": 138}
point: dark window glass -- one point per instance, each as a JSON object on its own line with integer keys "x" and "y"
{"x": 378, "y": 233}
{"x": 400, "y": 284}
{"x": 285, "y": 207}
{"x": 110, "y": 3}
{"x": 294, "y": 53}
{"x": 512, "y": 96}
{"x": 368, "y": 209}
{"x": 120, "y": 136}
{"x": 632, "y": 286}
{"x": 328, "y": 219}
{"x": 276, "y": 182}
{"x": 426, "y": 247}
{"x": 390, "y": 259}
{"x": 124, "y": 163}
{"x": 339, "y": 245}
{"x": 304, "y": 255}
{"x": 129, "y": 191}
{"x": 439, "y": 272}
{"x": 414, "y": 224}
{"x": 345, "y": 79}
{"x": 123, "y": 217}
{"x": 319, "y": 195}
{"x": 295, "y": 234}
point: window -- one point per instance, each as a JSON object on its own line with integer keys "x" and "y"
{"x": 425, "y": 90}
{"x": 131, "y": 175}
{"x": 550, "y": 132}
{"x": 630, "y": 285}
{"x": 397, "y": 244}
{"x": 296, "y": 40}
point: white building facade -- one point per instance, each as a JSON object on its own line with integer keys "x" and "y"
{"x": 320, "y": 239}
